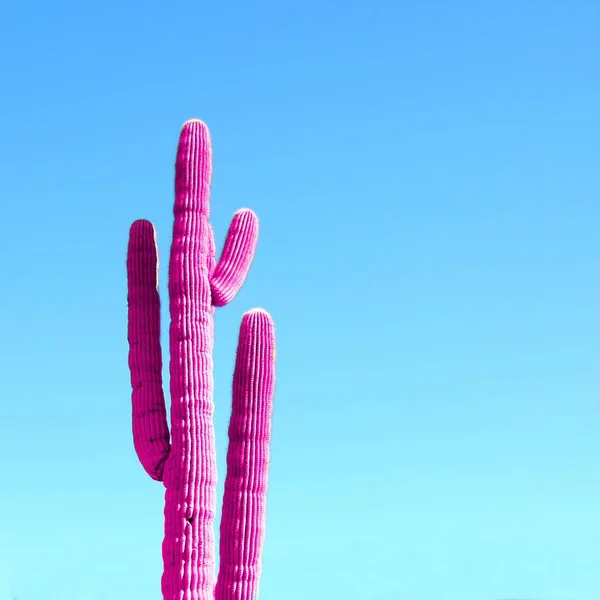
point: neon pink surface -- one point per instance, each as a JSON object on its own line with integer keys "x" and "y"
{"x": 184, "y": 459}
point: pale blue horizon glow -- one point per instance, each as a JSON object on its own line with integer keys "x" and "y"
{"x": 426, "y": 179}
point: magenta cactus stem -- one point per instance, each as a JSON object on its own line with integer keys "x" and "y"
{"x": 184, "y": 457}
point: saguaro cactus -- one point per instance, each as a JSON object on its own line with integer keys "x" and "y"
{"x": 184, "y": 459}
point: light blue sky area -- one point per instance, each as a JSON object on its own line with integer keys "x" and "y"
{"x": 427, "y": 181}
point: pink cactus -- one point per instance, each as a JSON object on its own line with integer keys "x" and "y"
{"x": 184, "y": 459}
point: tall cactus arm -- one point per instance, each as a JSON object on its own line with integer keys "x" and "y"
{"x": 150, "y": 428}
{"x": 236, "y": 258}
{"x": 244, "y": 501}
{"x": 190, "y": 472}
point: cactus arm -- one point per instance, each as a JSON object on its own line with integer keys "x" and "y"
{"x": 190, "y": 471}
{"x": 244, "y": 500}
{"x": 236, "y": 258}
{"x": 150, "y": 428}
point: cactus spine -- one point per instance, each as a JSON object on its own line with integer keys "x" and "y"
{"x": 184, "y": 458}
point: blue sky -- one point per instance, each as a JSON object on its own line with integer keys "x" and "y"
{"x": 426, "y": 177}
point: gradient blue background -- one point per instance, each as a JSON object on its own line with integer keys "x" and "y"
{"x": 428, "y": 187}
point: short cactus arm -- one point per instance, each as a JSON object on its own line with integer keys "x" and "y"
{"x": 150, "y": 429}
{"x": 236, "y": 258}
{"x": 244, "y": 500}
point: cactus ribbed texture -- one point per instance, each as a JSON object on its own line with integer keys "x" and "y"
{"x": 184, "y": 458}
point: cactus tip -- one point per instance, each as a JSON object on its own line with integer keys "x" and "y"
{"x": 257, "y": 311}
{"x": 255, "y": 315}
{"x": 191, "y": 122}
{"x": 142, "y": 227}
{"x": 141, "y": 224}
{"x": 245, "y": 211}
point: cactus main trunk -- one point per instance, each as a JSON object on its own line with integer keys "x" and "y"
{"x": 184, "y": 458}
{"x": 190, "y": 475}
